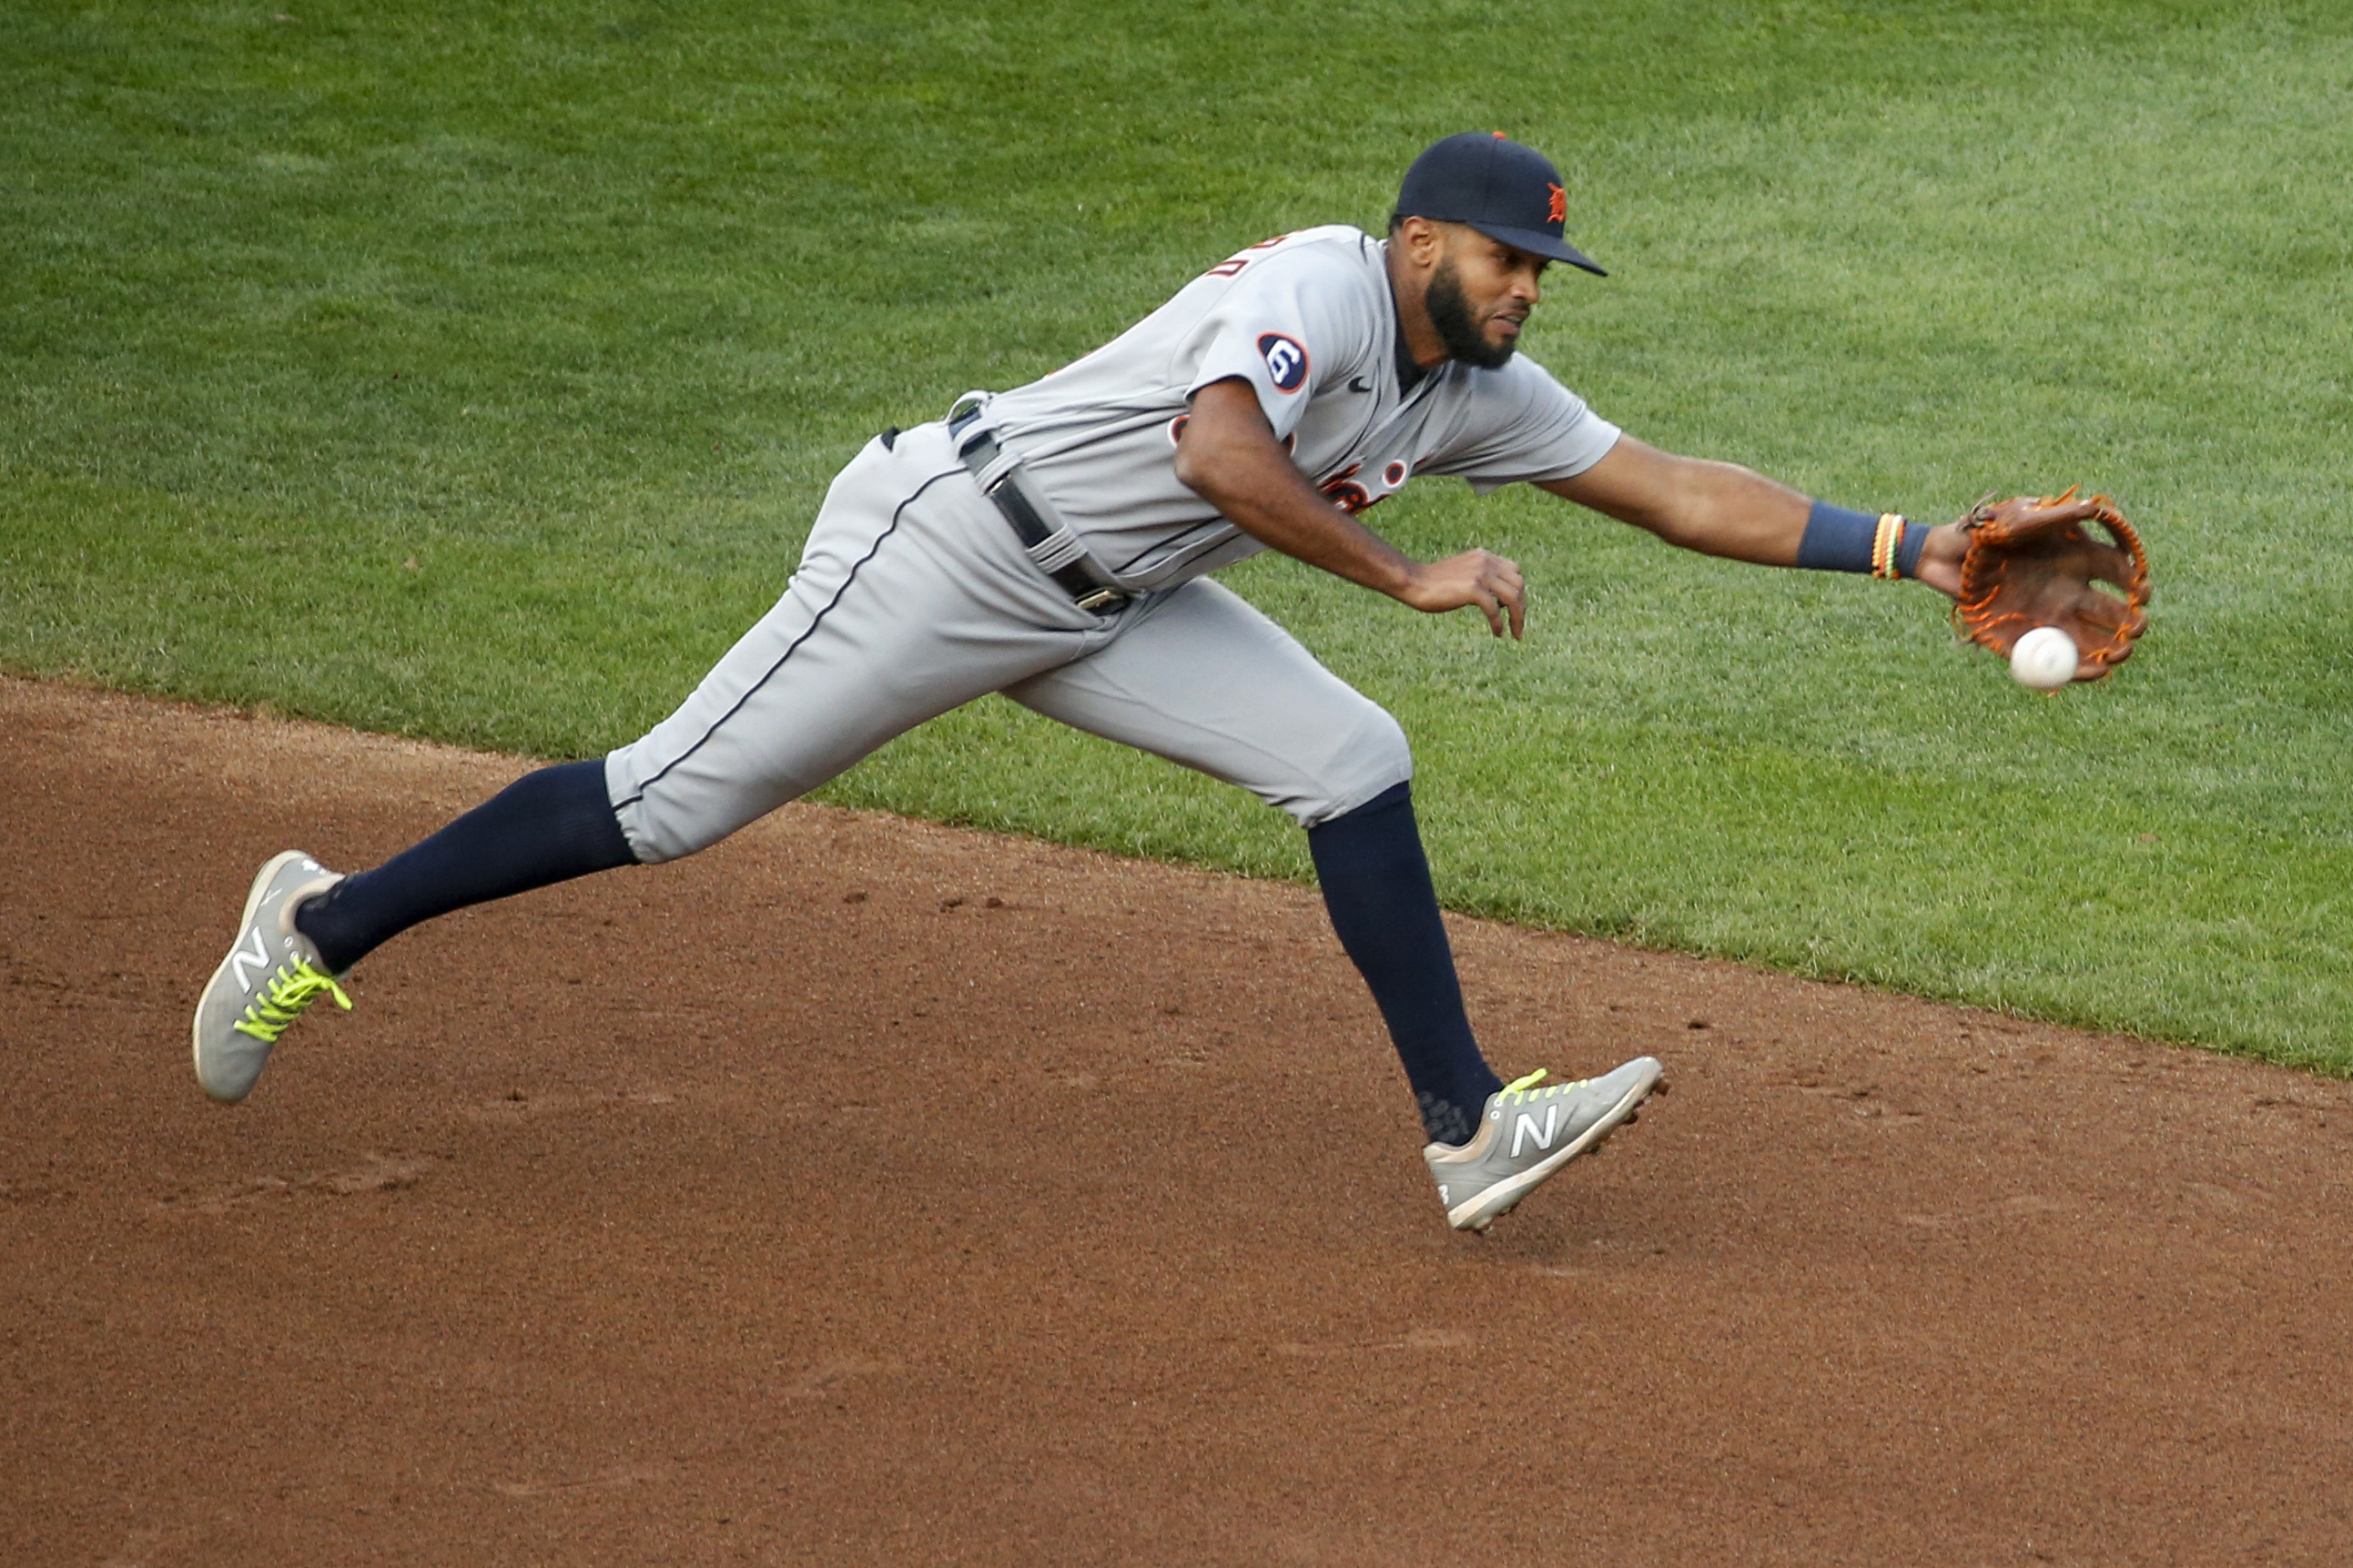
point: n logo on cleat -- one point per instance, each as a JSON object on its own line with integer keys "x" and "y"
{"x": 1524, "y": 1127}
{"x": 238, "y": 959}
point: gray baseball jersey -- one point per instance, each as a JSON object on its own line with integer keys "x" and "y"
{"x": 914, "y": 596}
{"x": 1308, "y": 319}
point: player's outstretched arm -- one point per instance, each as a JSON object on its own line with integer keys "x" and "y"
{"x": 1228, "y": 457}
{"x": 1723, "y": 508}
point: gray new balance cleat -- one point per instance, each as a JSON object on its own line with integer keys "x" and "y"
{"x": 1527, "y": 1133}
{"x": 268, "y": 978}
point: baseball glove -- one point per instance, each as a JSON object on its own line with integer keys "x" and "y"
{"x": 2032, "y": 563}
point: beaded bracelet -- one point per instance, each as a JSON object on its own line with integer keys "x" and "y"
{"x": 1887, "y": 541}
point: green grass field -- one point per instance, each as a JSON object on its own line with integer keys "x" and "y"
{"x": 474, "y": 371}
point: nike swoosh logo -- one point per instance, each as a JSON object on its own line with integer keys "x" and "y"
{"x": 1359, "y": 383}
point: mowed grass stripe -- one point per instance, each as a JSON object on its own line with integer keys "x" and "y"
{"x": 476, "y": 375}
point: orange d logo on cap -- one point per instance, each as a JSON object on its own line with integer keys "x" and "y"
{"x": 1558, "y": 211}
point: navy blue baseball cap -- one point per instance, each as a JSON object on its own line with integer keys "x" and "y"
{"x": 1504, "y": 190}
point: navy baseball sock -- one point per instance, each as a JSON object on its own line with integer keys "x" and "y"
{"x": 547, "y": 826}
{"x": 1377, "y": 886}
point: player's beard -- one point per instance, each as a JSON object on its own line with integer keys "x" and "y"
{"x": 1450, "y": 312}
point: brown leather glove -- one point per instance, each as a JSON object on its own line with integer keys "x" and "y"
{"x": 2032, "y": 563}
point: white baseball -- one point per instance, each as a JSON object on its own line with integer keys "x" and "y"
{"x": 2045, "y": 658}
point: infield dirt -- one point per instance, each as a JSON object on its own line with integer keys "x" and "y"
{"x": 863, "y": 1191}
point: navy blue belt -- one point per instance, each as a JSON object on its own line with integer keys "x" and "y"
{"x": 978, "y": 454}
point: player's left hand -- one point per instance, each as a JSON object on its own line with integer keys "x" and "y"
{"x": 1941, "y": 557}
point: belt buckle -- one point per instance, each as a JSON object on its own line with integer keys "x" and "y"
{"x": 1101, "y": 600}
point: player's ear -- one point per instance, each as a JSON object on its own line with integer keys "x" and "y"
{"x": 1424, "y": 240}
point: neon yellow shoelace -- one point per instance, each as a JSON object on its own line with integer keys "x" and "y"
{"x": 290, "y": 991}
{"x": 1525, "y": 1088}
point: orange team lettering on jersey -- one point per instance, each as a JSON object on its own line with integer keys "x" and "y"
{"x": 1343, "y": 491}
{"x": 1241, "y": 258}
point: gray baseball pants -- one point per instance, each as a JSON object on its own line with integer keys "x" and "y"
{"x": 915, "y": 597}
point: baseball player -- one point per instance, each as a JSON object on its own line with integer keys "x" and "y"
{"x": 1056, "y": 543}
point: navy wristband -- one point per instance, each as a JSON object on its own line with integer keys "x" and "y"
{"x": 1915, "y": 540}
{"x": 1837, "y": 539}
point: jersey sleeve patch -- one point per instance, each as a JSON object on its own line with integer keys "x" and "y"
{"x": 1286, "y": 360}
